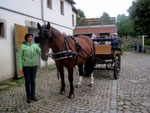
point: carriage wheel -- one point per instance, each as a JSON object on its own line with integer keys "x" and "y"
{"x": 117, "y": 68}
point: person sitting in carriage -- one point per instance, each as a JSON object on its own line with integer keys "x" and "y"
{"x": 115, "y": 42}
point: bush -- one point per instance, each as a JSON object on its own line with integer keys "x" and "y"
{"x": 147, "y": 42}
{"x": 127, "y": 48}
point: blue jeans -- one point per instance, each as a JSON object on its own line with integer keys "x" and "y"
{"x": 30, "y": 75}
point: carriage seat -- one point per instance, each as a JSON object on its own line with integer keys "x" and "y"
{"x": 104, "y": 52}
{"x": 103, "y": 49}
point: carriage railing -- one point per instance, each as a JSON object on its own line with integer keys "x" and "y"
{"x": 103, "y": 40}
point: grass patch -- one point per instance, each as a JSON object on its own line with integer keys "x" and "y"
{"x": 127, "y": 48}
{"x": 146, "y": 45}
{"x": 20, "y": 82}
{"x": 51, "y": 67}
{"x": 11, "y": 83}
{"x": 2, "y": 84}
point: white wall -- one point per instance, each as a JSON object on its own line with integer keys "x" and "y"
{"x": 7, "y": 46}
{"x": 74, "y": 18}
{"x": 31, "y": 8}
{"x": 54, "y": 15}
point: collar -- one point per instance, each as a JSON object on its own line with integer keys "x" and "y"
{"x": 27, "y": 43}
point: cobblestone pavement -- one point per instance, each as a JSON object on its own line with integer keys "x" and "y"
{"x": 129, "y": 94}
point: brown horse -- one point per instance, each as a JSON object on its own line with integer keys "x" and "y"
{"x": 67, "y": 52}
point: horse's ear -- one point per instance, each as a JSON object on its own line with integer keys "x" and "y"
{"x": 39, "y": 26}
{"x": 48, "y": 25}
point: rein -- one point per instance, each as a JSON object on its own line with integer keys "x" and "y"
{"x": 68, "y": 53}
{"x": 79, "y": 47}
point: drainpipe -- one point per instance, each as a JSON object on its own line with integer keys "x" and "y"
{"x": 42, "y": 11}
{"x": 42, "y": 15}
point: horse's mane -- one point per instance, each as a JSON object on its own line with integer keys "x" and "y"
{"x": 55, "y": 31}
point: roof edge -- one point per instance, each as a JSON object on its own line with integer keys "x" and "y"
{"x": 74, "y": 9}
{"x": 96, "y": 26}
{"x": 71, "y": 1}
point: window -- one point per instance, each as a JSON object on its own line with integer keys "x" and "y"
{"x": 49, "y": 4}
{"x": 62, "y": 7}
{"x": 2, "y": 28}
{"x": 73, "y": 20}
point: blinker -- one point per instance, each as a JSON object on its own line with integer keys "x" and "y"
{"x": 36, "y": 39}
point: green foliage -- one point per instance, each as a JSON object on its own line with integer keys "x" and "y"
{"x": 80, "y": 17}
{"x": 146, "y": 45}
{"x": 147, "y": 42}
{"x": 105, "y": 19}
{"x": 128, "y": 47}
{"x": 82, "y": 22}
{"x": 139, "y": 13}
{"x": 125, "y": 26}
{"x": 51, "y": 67}
{"x": 11, "y": 83}
{"x": 20, "y": 82}
{"x": 81, "y": 13}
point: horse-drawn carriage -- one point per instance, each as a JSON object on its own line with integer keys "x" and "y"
{"x": 108, "y": 55}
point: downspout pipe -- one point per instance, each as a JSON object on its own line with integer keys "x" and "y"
{"x": 42, "y": 15}
{"x": 42, "y": 12}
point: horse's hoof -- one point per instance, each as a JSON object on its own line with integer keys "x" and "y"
{"x": 77, "y": 86}
{"x": 71, "y": 96}
{"x": 62, "y": 92}
{"x": 90, "y": 85}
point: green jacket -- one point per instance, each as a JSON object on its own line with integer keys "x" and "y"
{"x": 28, "y": 54}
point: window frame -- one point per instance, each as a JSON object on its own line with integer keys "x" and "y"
{"x": 49, "y": 4}
{"x": 73, "y": 20}
{"x": 61, "y": 7}
{"x": 3, "y": 29}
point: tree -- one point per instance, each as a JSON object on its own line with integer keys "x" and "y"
{"x": 81, "y": 13}
{"x": 80, "y": 17}
{"x": 125, "y": 26}
{"x": 139, "y": 13}
{"x": 105, "y": 18}
{"x": 122, "y": 25}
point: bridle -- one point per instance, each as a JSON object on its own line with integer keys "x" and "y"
{"x": 36, "y": 39}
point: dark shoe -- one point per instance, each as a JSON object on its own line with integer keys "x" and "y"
{"x": 34, "y": 98}
{"x": 28, "y": 100}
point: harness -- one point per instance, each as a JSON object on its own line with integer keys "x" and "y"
{"x": 68, "y": 53}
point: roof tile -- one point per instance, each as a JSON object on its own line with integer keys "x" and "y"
{"x": 108, "y": 29}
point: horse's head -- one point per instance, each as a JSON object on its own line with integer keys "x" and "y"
{"x": 44, "y": 38}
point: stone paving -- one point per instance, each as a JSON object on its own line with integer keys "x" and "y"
{"x": 129, "y": 94}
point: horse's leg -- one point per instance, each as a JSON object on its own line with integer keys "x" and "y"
{"x": 92, "y": 80}
{"x": 80, "y": 75}
{"x": 89, "y": 66}
{"x": 61, "y": 70}
{"x": 70, "y": 77}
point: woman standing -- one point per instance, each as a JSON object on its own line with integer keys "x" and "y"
{"x": 27, "y": 61}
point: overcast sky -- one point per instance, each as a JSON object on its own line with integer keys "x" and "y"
{"x": 95, "y": 8}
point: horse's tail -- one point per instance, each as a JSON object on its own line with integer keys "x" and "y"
{"x": 89, "y": 65}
